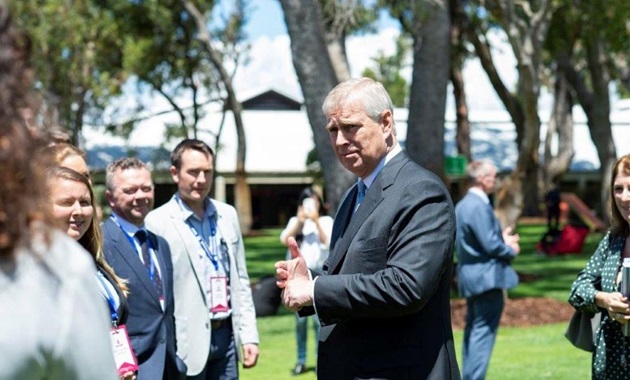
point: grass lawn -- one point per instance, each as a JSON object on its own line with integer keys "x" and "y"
{"x": 553, "y": 275}
{"x": 539, "y": 352}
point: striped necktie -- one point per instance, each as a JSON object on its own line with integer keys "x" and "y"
{"x": 154, "y": 274}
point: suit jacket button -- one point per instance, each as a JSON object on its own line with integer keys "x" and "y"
{"x": 161, "y": 340}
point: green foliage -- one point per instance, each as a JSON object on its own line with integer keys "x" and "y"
{"x": 349, "y": 17}
{"x": 84, "y": 50}
{"x": 77, "y": 57}
{"x": 388, "y": 69}
{"x": 577, "y": 23}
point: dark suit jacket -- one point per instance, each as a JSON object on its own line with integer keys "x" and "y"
{"x": 384, "y": 298}
{"x": 151, "y": 330}
{"x": 483, "y": 258}
{"x": 123, "y": 308}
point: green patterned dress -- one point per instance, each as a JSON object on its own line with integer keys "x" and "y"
{"x": 611, "y": 359}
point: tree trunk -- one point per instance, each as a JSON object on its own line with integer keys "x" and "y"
{"x": 317, "y": 77}
{"x": 596, "y": 106}
{"x": 458, "y": 55}
{"x": 338, "y": 58}
{"x": 427, "y": 102}
{"x": 528, "y": 162}
{"x": 560, "y": 128}
{"x": 526, "y": 29}
{"x": 599, "y": 119}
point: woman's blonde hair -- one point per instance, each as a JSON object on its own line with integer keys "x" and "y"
{"x": 92, "y": 239}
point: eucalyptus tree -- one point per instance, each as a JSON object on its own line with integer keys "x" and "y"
{"x": 317, "y": 77}
{"x": 318, "y": 40}
{"x": 216, "y": 57}
{"x": 526, "y": 24}
{"x": 161, "y": 52}
{"x": 427, "y": 22}
{"x": 598, "y": 40}
{"x": 77, "y": 60}
{"x": 189, "y": 57}
{"x": 459, "y": 54}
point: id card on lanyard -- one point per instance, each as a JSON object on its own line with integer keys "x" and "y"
{"x": 217, "y": 289}
{"x": 124, "y": 356}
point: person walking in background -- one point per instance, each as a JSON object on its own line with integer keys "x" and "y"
{"x": 54, "y": 323}
{"x": 383, "y": 296}
{"x": 311, "y": 229}
{"x": 484, "y": 254}
{"x": 144, "y": 259}
{"x": 552, "y": 204}
{"x": 214, "y": 309}
{"x": 596, "y": 288}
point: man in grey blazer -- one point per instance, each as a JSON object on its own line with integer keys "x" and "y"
{"x": 214, "y": 309}
{"x": 383, "y": 299}
{"x": 484, "y": 253}
{"x": 144, "y": 260}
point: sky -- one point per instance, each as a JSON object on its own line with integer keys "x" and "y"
{"x": 270, "y": 65}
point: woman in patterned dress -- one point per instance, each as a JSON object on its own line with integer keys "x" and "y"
{"x": 611, "y": 358}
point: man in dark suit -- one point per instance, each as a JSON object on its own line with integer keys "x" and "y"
{"x": 383, "y": 299}
{"x": 484, "y": 254}
{"x": 144, "y": 260}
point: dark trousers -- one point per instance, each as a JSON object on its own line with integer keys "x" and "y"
{"x": 482, "y": 321}
{"x": 222, "y": 363}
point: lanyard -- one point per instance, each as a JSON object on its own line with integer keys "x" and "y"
{"x": 133, "y": 244}
{"x": 110, "y": 299}
{"x": 210, "y": 253}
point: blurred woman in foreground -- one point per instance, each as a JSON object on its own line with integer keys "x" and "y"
{"x": 54, "y": 325}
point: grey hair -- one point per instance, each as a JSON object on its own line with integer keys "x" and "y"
{"x": 479, "y": 168}
{"x": 365, "y": 91}
{"x": 123, "y": 163}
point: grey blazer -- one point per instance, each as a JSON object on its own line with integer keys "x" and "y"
{"x": 384, "y": 297}
{"x": 483, "y": 258}
{"x": 191, "y": 310}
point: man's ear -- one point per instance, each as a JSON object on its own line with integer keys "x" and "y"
{"x": 110, "y": 198}
{"x": 387, "y": 121}
{"x": 174, "y": 174}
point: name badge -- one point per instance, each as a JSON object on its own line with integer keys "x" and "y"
{"x": 218, "y": 294}
{"x": 124, "y": 357}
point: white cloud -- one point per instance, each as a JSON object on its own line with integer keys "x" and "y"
{"x": 270, "y": 66}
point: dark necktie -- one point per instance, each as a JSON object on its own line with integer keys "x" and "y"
{"x": 360, "y": 194}
{"x": 142, "y": 237}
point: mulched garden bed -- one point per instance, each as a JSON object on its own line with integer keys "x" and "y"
{"x": 528, "y": 311}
